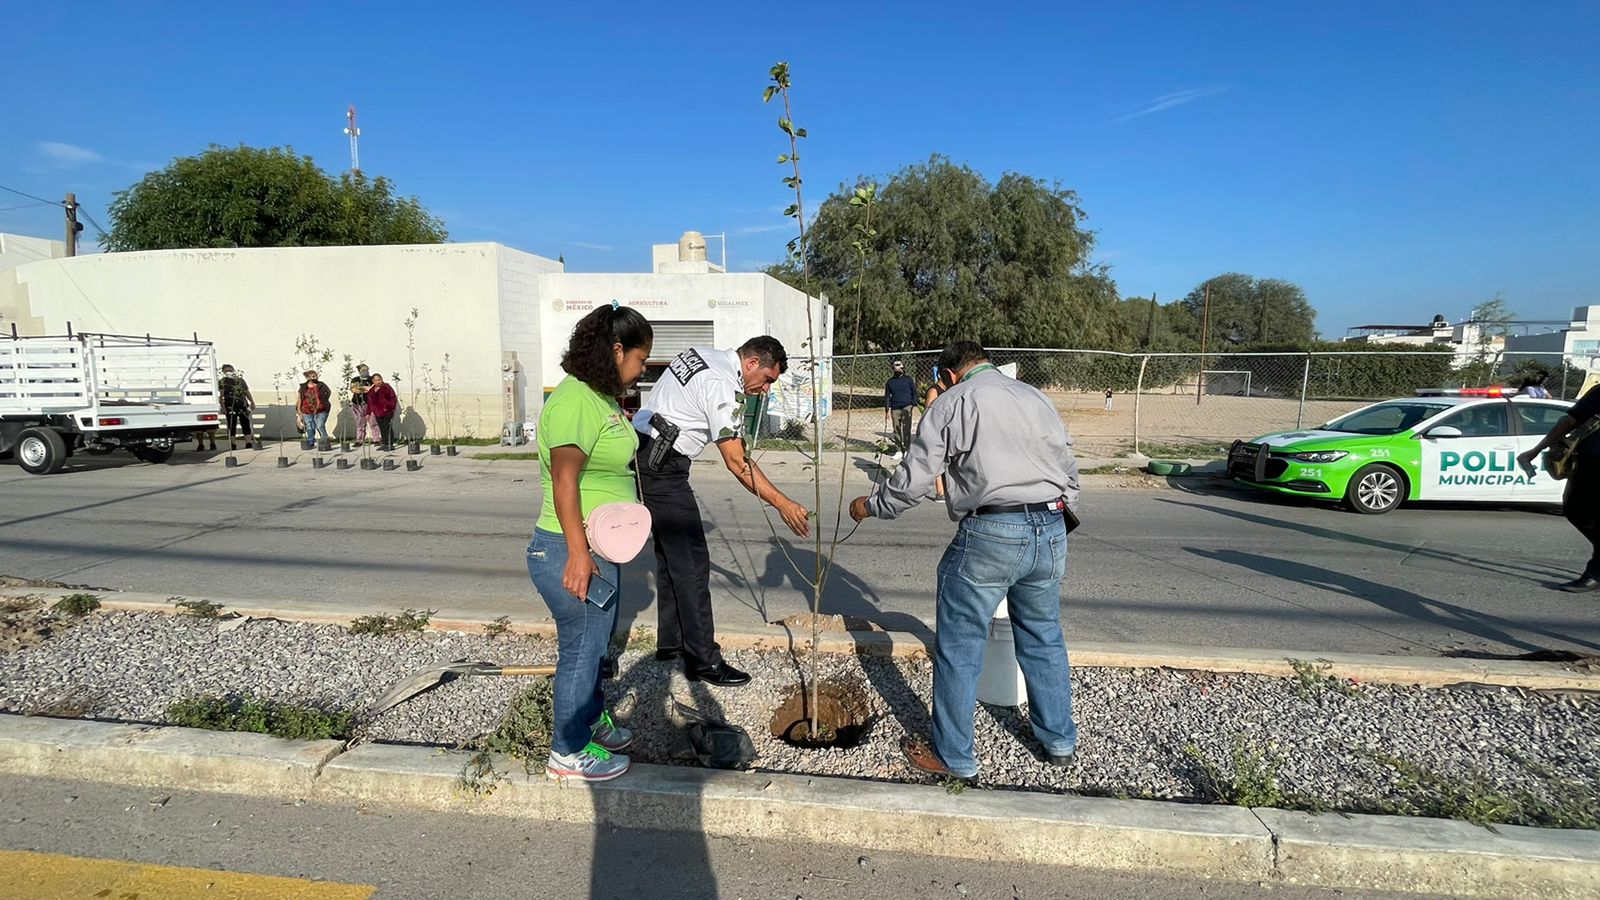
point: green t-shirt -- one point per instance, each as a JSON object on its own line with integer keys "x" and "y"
{"x": 577, "y": 416}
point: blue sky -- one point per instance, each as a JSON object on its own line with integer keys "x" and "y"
{"x": 1396, "y": 159}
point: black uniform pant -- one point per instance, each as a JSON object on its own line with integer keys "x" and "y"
{"x": 683, "y": 561}
{"x": 1581, "y": 505}
{"x": 386, "y": 429}
{"x": 238, "y": 419}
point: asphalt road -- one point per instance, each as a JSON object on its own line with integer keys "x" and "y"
{"x": 414, "y": 854}
{"x": 1200, "y": 562}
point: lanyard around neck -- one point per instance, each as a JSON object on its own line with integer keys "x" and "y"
{"x": 976, "y": 370}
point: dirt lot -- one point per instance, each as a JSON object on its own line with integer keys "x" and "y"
{"x": 1169, "y": 424}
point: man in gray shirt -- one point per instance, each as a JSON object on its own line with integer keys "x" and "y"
{"x": 1012, "y": 481}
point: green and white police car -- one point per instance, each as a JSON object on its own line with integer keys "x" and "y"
{"x": 1439, "y": 445}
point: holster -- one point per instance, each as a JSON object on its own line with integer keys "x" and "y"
{"x": 666, "y": 435}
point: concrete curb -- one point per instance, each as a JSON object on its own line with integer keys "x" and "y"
{"x": 1229, "y": 843}
{"x": 1405, "y": 670}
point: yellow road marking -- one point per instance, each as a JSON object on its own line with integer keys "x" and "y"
{"x": 44, "y": 876}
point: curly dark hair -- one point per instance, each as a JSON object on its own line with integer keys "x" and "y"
{"x": 589, "y": 358}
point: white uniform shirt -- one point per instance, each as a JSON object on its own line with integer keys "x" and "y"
{"x": 701, "y": 392}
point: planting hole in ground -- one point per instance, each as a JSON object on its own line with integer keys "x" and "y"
{"x": 842, "y": 717}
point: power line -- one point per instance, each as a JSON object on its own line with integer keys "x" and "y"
{"x": 31, "y": 196}
{"x": 27, "y": 206}
{"x": 85, "y": 213}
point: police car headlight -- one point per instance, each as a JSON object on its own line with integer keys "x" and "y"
{"x": 1320, "y": 456}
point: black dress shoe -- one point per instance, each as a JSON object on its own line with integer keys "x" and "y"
{"x": 608, "y": 668}
{"x": 668, "y": 653}
{"x": 721, "y": 674}
{"x": 1582, "y": 585}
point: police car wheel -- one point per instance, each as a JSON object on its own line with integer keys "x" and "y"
{"x": 1375, "y": 489}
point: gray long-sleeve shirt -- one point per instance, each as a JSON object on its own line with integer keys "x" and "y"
{"x": 996, "y": 440}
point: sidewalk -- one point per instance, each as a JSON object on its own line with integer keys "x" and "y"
{"x": 1118, "y": 685}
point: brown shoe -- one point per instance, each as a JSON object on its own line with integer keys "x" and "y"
{"x": 921, "y": 756}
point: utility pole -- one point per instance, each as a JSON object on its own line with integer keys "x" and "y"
{"x": 73, "y": 225}
{"x": 1205, "y": 332}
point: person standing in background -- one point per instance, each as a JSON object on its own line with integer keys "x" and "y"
{"x": 1581, "y": 501}
{"x": 365, "y": 421}
{"x": 899, "y": 399}
{"x": 382, "y": 403}
{"x": 237, "y": 405}
{"x": 313, "y": 404}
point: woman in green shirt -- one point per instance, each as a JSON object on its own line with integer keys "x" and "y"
{"x": 586, "y": 448}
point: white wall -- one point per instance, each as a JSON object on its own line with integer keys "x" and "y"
{"x": 254, "y": 303}
{"x": 521, "y": 328}
{"x": 17, "y": 249}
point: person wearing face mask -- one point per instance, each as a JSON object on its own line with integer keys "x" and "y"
{"x": 699, "y": 400}
{"x": 586, "y": 452}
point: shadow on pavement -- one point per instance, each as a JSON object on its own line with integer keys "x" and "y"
{"x": 1397, "y": 600}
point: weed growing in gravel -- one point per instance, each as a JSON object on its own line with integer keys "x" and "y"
{"x": 498, "y": 628}
{"x": 250, "y": 714}
{"x": 77, "y": 604}
{"x": 1314, "y": 677}
{"x": 954, "y": 786}
{"x": 407, "y": 621}
{"x": 641, "y": 640}
{"x": 523, "y": 733}
{"x": 1473, "y": 798}
{"x": 1252, "y": 781}
{"x": 199, "y": 609}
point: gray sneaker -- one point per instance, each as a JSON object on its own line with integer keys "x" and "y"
{"x": 592, "y": 763}
{"x": 610, "y": 735}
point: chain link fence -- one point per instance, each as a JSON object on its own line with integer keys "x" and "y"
{"x": 1193, "y": 405}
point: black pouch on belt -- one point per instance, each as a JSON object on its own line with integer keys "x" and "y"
{"x": 666, "y": 436}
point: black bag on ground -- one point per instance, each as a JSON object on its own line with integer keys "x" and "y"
{"x": 721, "y": 746}
{"x": 715, "y": 743}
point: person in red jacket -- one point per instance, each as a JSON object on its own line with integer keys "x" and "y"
{"x": 381, "y": 405}
{"x": 313, "y": 405}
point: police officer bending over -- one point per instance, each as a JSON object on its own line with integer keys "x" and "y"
{"x": 699, "y": 400}
{"x": 1012, "y": 482}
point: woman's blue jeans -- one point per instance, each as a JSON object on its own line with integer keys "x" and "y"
{"x": 583, "y": 634}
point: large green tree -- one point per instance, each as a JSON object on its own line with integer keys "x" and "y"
{"x": 1248, "y": 310}
{"x": 955, "y": 256}
{"x": 249, "y": 197}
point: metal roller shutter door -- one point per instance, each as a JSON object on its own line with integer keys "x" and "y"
{"x": 673, "y": 338}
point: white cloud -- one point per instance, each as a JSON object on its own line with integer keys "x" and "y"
{"x": 763, "y": 229}
{"x": 587, "y": 246}
{"x": 68, "y": 155}
{"x": 1172, "y": 100}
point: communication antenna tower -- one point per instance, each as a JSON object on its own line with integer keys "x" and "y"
{"x": 355, "y": 140}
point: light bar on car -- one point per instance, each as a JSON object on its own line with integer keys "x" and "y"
{"x": 1495, "y": 391}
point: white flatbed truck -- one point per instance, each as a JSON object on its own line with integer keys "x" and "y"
{"x": 102, "y": 392}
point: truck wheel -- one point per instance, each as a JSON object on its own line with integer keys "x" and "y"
{"x": 1375, "y": 488}
{"x": 157, "y": 455}
{"x": 41, "y": 451}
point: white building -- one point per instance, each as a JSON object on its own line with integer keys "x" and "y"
{"x": 1578, "y": 343}
{"x": 1466, "y": 338}
{"x": 501, "y": 317}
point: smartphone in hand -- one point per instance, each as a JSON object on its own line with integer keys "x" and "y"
{"x": 601, "y": 591}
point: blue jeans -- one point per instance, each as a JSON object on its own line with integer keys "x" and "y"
{"x": 316, "y": 426}
{"x": 583, "y": 635}
{"x": 1023, "y": 557}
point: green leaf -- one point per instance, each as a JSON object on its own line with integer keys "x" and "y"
{"x": 783, "y": 157}
{"x": 766, "y": 96}
{"x": 800, "y": 132}
{"x": 793, "y": 208}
